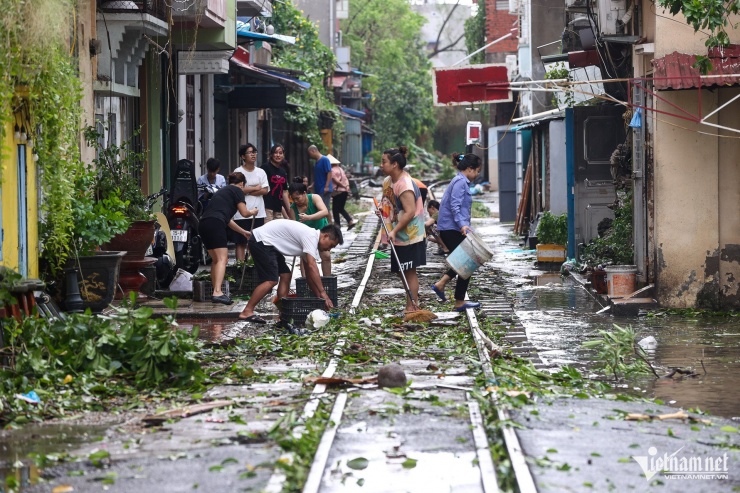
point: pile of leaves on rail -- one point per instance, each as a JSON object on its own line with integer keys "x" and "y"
{"x": 74, "y": 363}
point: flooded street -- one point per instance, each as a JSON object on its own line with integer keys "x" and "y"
{"x": 560, "y": 315}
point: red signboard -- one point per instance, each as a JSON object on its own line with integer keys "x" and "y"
{"x": 471, "y": 84}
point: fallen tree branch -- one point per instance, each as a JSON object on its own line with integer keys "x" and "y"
{"x": 677, "y": 415}
{"x": 184, "y": 412}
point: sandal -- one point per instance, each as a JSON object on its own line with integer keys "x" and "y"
{"x": 351, "y": 225}
{"x": 255, "y": 319}
{"x": 221, "y": 299}
{"x": 469, "y": 304}
{"x": 440, "y": 293}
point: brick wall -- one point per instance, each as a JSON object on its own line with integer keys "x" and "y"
{"x": 498, "y": 23}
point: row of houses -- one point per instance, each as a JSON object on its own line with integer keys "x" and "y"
{"x": 637, "y": 108}
{"x": 184, "y": 80}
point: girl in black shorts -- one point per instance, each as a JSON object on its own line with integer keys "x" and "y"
{"x": 212, "y": 229}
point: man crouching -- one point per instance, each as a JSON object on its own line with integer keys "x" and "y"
{"x": 270, "y": 244}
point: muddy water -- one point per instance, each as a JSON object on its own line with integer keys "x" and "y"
{"x": 559, "y": 315}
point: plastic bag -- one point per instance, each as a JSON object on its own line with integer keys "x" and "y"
{"x": 317, "y": 319}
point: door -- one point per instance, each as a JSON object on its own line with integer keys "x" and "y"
{"x": 597, "y": 132}
{"x": 22, "y": 213}
{"x": 507, "y": 178}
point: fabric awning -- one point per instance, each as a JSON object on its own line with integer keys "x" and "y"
{"x": 675, "y": 71}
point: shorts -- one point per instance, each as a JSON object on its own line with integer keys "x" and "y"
{"x": 212, "y": 232}
{"x": 244, "y": 224}
{"x": 268, "y": 262}
{"x": 410, "y": 256}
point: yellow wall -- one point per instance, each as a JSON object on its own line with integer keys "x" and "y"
{"x": 8, "y": 188}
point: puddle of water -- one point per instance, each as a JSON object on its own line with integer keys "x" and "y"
{"x": 559, "y": 318}
{"x": 548, "y": 278}
{"x": 17, "y": 478}
{"x": 45, "y": 439}
{"x": 17, "y": 469}
{"x": 219, "y": 331}
{"x": 437, "y": 471}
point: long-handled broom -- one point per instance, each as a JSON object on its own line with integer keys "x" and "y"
{"x": 244, "y": 267}
{"x": 418, "y": 315}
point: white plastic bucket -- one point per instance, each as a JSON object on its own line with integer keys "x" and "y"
{"x": 620, "y": 279}
{"x": 469, "y": 255}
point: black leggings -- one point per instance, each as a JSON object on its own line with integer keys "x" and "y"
{"x": 452, "y": 239}
{"x": 337, "y": 207}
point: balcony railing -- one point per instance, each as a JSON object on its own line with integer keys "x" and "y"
{"x": 156, "y": 8}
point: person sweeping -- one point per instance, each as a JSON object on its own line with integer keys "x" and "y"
{"x": 402, "y": 213}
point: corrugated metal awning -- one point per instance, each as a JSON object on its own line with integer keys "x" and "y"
{"x": 675, "y": 71}
{"x": 240, "y": 59}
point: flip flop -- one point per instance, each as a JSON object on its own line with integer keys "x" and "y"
{"x": 221, "y": 299}
{"x": 469, "y": 304}
{"x": 255, "y": 319}
{"x": 440, "y": 294}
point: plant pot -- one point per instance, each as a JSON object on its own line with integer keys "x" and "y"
{"x": 550, "y": 253}
{"x": 97, "y": 278}
{"x": 598, "y": 280}
{"x": 135, "y": 242}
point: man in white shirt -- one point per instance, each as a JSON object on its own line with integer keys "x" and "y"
{"x": 256, "y": 187}
{"x": 271, "y": 243}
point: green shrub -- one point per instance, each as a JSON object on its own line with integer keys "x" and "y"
{"x": 552, "y": 229}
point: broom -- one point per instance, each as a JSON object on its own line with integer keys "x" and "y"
{"x": 418, "y": 315}
{"x": 244, "y": 267}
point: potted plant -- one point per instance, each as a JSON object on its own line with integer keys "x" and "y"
{"x": 94, "y": 223}
{"x": 552, "y": 236}
{"x": 118, "y": 168}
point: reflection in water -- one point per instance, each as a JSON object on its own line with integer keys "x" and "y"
{"x": 559, "y": 318}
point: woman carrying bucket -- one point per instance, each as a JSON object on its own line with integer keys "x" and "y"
{"x": 453, "y": 224}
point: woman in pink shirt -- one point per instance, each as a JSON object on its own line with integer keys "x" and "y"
{"x": 340, "y": 194}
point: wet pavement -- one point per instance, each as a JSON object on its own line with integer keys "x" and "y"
{"x": 570, "y": 444}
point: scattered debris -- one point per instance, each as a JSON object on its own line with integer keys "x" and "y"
{"x": 391, "y": 376}
{"x": 340, "y": 380}
{"x": 184, "y": 412}
{"x": 648, "y": 343}
{"x": 677, "y": 415}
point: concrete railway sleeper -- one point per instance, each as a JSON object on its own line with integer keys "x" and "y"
{"x": 441, "y": 432}
{"x": 429, "y": 436}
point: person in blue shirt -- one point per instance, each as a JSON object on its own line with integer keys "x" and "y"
{"x": 453, "y": 223}
{"x": 322, "y": 183}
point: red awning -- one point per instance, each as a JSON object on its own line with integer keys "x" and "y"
{"x": 675, "y": 71}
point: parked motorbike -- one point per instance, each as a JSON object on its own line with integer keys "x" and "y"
{"x": 161, "y": 248}
{"x": 182, "y": 216}
{"x": 205, "y": 192}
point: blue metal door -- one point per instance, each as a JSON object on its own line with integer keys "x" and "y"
{"x": 507, "y": 176}
{"x": 22, "y": 213}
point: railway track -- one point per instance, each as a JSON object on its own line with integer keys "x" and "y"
{"x": 273, "y": 432}
{"x": 430, "y": 437}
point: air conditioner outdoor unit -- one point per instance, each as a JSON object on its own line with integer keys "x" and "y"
{"x": 514, "y": 7}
